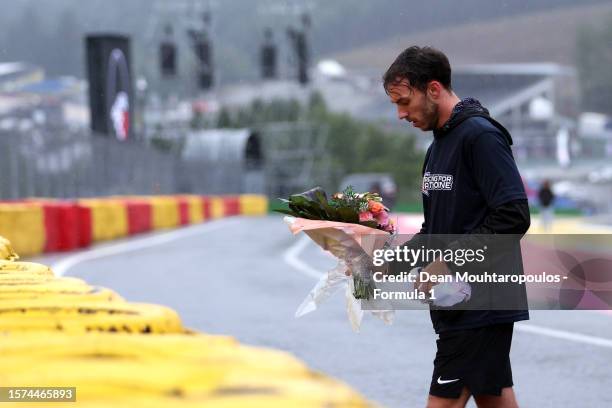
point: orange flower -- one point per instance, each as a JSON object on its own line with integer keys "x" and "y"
{"x": 375, "y": 207}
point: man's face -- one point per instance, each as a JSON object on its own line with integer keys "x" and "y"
{"x": 413, "y": 105}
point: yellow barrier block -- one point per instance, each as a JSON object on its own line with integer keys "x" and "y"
{"x": 165, "y": 212}
{"x": 24, "y": 226}
{"x": 108, "y": 218}
{"x": 217, "y": 208}
{"x": 196, "y": 210}
{"x": 253, "y": 204}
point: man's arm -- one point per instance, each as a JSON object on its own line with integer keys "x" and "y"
{"x": 498, "y": 179}
{"x": 509, "y": 218}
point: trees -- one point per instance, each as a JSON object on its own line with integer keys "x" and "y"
{"x": 353, "y": 146}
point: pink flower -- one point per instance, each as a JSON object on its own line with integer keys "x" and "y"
{"x": 365, "y": 216}
{"x": 389, "y": 227}
{"x": 382, "y": 218}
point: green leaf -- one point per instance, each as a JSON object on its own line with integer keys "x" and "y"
{"x": 288, "y": 212}
{"x": 348, "y": 215}
{"x": 332, "y": 213}
{"x": 300, "y": 212}
{"x": 298, "y": 200}
{"x": 320, "y": 195}
{"x": 316, "y": 210}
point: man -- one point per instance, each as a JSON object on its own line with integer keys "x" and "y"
{"x": 546, "y": 197}
{"x": 482, "y": 194}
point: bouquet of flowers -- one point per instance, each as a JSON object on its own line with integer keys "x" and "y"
{"x": 338, "y": 226}
{"x": 350, "y": 226}
{"x": 349, "y": 207}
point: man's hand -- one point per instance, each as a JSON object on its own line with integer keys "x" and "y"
{"x": 357, "y": 259}
{"x": 383, "y": 268}
{"x": 437, "y": 267}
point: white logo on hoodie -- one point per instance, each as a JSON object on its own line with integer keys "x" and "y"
{"x": 436, "y": 182}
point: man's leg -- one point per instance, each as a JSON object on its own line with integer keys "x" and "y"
{"x": 505, "y": 400}
{"x": 477, "y": 360}
{"x": 439, "y": 402}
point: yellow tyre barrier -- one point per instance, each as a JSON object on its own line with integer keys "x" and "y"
{"x": 92, "y": 294}
{"x": 182, "y": 347}
{"x": 24, "y": 278}
{"x": 168, "y": 370}
{"x": 58, "y": 290}
{"x": 41, "y": 283}
{"x": 83, "y": 316}
{"x": 12, "y": 267}
{"x": 6, "y": 250}
{"x": 61, "y": 332}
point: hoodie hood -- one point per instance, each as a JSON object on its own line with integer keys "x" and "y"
{"x": 465, "y": 109}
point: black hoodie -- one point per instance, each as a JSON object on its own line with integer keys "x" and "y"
{"x": 471, "y": 185}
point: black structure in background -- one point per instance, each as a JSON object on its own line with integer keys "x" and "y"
{"x": 202, "y": 47}
{"x": 300, "y": 47}
{"x": 167, "y": 54}
{"x": 268, "y": 56}
{"x": 110, "y": 84}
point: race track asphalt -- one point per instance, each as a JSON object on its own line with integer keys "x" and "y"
{"x": 231, "y": 277}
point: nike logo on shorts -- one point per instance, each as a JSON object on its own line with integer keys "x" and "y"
{"x": 441, "y": 381}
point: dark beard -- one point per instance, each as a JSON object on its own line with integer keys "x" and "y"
{"x": 432, "y": 115}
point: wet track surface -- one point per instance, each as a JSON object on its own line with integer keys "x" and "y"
{"x": 232, "y": 279}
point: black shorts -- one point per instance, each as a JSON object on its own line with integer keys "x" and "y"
{"x": 478, "y": 359}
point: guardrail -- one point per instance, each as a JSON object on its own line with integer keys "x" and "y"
{"x": 41, "y": 225}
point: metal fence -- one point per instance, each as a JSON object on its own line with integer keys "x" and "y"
{"x": 296, "y": 158}
{"x": 65, "y": 164}
{"x": 274, "y": 159}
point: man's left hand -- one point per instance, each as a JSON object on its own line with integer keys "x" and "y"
{"x": 437, "y": 267}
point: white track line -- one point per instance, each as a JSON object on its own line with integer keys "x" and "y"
{"x": 565, "y": 335}
{"x": 60, "y": 268}
{"x": 292, "y": 254}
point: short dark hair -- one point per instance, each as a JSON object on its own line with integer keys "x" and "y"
{"x": 419, "y": 65}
